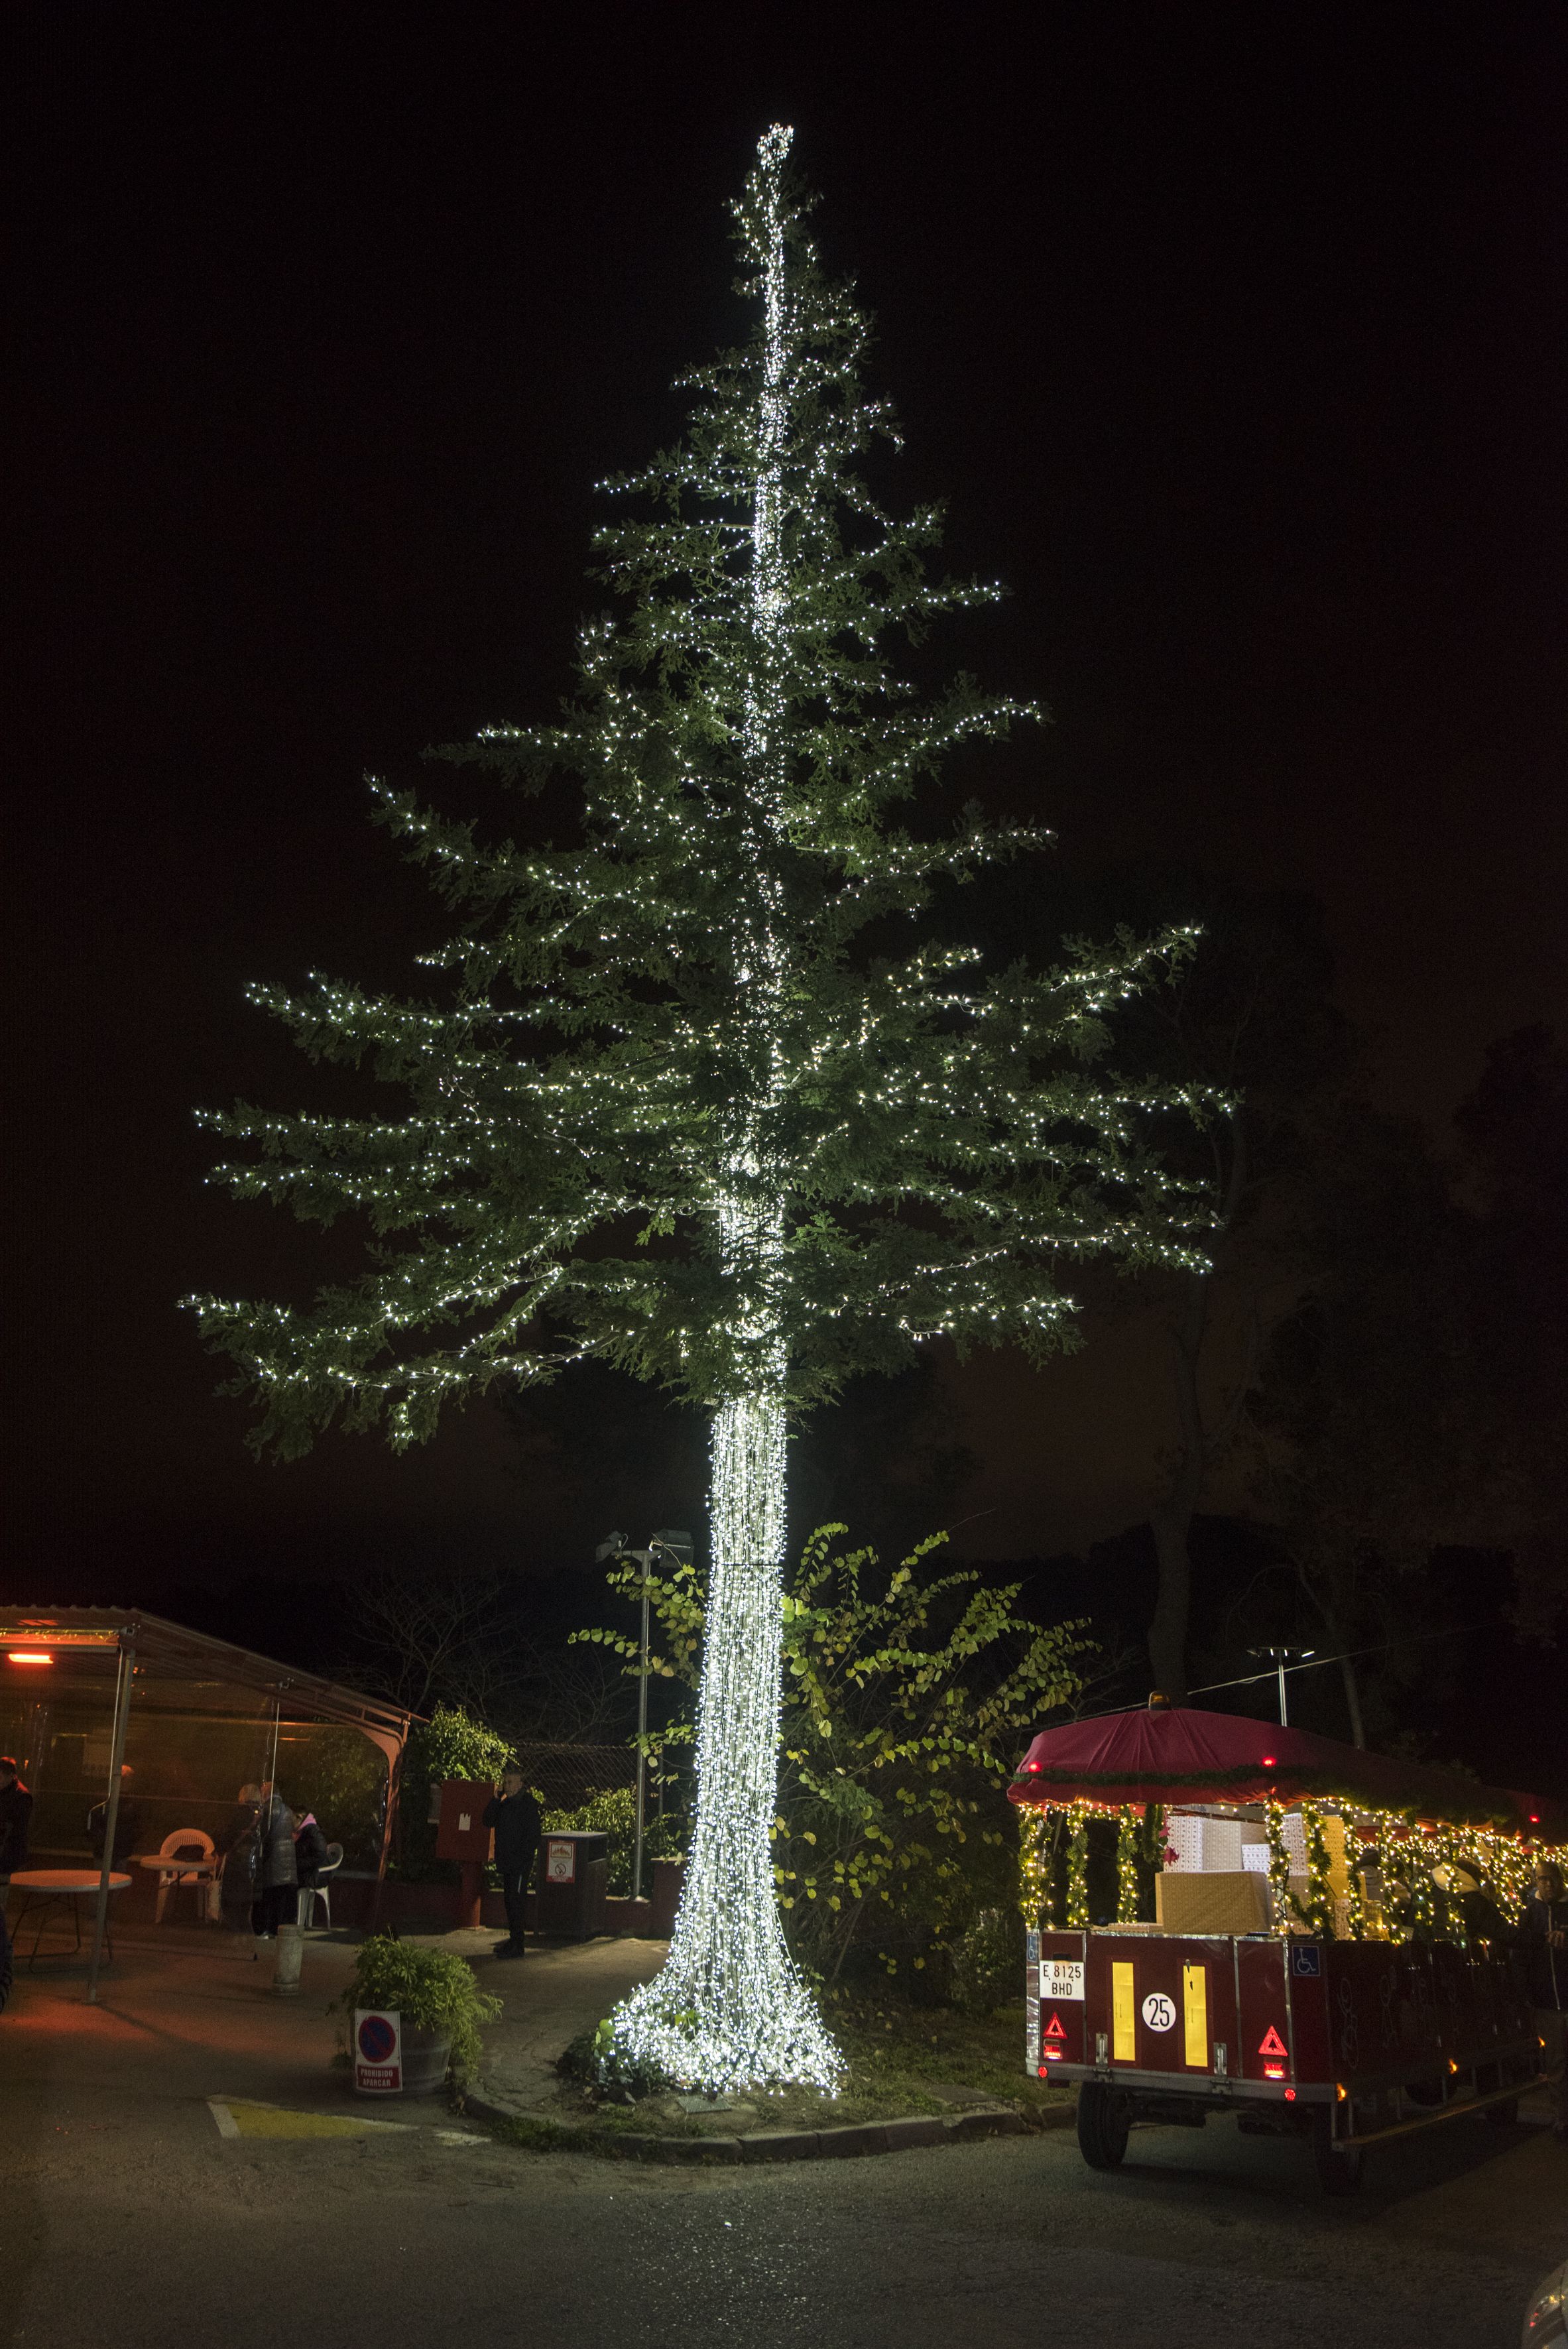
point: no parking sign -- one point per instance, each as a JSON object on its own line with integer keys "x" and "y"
{"x": 377, "y": 2051}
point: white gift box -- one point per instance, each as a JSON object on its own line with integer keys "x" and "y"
{"x": 1210, "y": 1846}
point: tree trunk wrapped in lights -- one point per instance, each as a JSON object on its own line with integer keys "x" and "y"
{"x": 673, "y": 1112}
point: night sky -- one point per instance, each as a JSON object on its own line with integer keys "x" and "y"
{"x": 1233, "y": 336}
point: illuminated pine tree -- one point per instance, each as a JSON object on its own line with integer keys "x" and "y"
{"x": 672, "y": 1113}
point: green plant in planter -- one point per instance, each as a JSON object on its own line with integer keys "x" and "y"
{"x": 451, "y": 1744}
{"x": 612, "y": 1811}
{"x": 432, "y": 1991}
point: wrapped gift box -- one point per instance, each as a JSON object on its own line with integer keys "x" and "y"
{"x": 1212, "y": 1900}
{"x": 1210, "y": 1845}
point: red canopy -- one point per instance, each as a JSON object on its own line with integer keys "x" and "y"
{"x": 1174, "y": 1754}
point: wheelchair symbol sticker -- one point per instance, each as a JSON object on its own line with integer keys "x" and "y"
{"x": 1159, "y": 2011}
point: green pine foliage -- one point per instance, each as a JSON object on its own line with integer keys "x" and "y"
{"x": 714, "y": 993}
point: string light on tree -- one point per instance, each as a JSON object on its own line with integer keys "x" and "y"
{"x": 665, "y": 1107}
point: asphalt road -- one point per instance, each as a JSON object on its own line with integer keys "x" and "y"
{"x": 127, "y": 2218}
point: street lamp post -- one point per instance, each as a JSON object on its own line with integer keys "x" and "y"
{"x": 1280, "y": 1657}
{"x": 677, "y": 1547}
{"x": 645, "y": 1561}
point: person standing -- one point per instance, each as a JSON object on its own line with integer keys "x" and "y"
{"x": 277, "y": 1874}
{"x": 1546, "y": 1939}
{"x": 312, "y": 1854}
{"x": 15, "y": 1815}
{"x": 238, "y": 1880}
{"x": 127, "y": 1821}
{"x": 514, "y": 1816}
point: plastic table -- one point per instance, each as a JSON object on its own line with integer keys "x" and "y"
{"x": 51, "y": 1887}
{"x": 172, "y": 1873}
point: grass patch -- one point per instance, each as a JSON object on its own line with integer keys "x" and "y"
{"x": 897, "y": 2049}
{"x": 900, "y": 2058}
{"x": 537, "y": 2136}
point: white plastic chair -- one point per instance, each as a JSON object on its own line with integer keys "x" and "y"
{"x": 170, "y": 1878}
{"x": 309, "y": 1894}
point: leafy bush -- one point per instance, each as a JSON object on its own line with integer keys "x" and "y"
{"x": 612, "y": 1811}
{"x": 451, "y": 1744}
{"x": 905, "y": 1701}
{"x": 598, "y": 2060}
{"x": 987, "y": 1964}
{"x": 431, "y": 1990}
{"x": 342, "y": 1778}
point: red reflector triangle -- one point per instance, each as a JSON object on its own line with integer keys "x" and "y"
{"x": 1053, "y": 2029}
{"x": 1271, "y": 2044}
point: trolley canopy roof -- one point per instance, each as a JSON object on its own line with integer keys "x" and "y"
{"x": 40, "y": 1638}
{"x": 1172, "y": 1754}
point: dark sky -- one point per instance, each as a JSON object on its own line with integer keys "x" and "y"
{"x": 1234, "y": 336}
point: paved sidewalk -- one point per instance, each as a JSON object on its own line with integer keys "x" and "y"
{"x": 552, "y": 1994}
{"x": 185, "y": 2012}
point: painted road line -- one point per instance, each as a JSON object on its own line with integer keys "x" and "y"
{"x": 240, "y": 2116}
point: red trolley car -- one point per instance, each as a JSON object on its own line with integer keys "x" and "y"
{"x": 1348, "y": 2034}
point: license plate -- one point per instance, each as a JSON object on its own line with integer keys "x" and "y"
{"x": 1061, "y": 1977}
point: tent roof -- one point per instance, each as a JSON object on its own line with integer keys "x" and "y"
{"x": 184, "y": 1654}
{"x": 1169, "y": 1752}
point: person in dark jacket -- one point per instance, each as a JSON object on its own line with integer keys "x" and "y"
{"x": 277, "y": 1879}
{"x": 15, "y": 1814}
{"x": 1546, "y": 1942}
{"x": 236, "y": 1847}
{"x": 312, "y": 1852}
{"x": 1467, "y": 1887}
{"x": 127, "y": 1821}
{"x": 514, "y": 1816}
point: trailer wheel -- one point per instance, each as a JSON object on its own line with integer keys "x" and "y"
{"x": 1338, "y": 2167}
{"x": 1103, "y": 2121}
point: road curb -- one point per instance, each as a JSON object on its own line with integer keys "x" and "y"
{"x": 856, "y": 2141}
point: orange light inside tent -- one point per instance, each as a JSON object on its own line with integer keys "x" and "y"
{"x": 28, "y": 1656}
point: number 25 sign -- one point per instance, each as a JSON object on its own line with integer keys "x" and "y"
{"x": 1159, "y": 2011}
